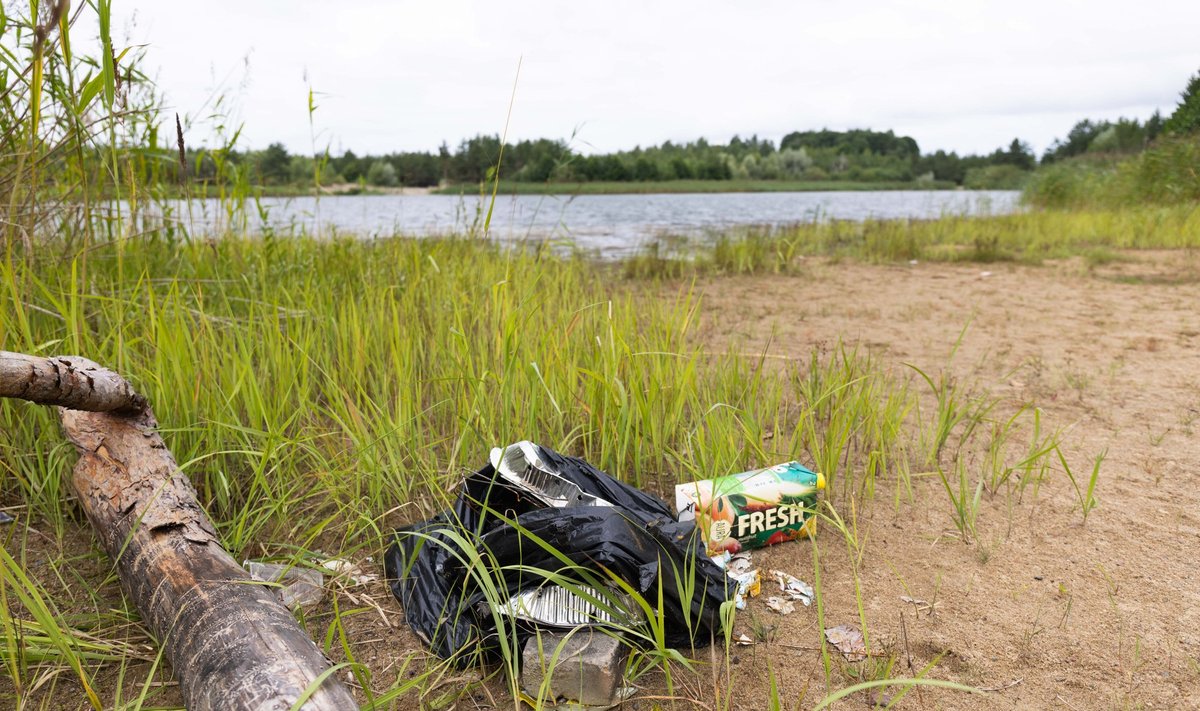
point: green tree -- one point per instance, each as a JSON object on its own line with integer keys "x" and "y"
{"x": 415, "y": 168}
{"x": 644, "y": 169}
{"x": 682, "y": 169}
{"x": 275, "y": 164}
{"x": 794, "y": 163}
{"x": 1186, "y": 117}
{"x": 944, "y": 166}
{"x": 383, "y": 174}
{"x": 1019, "y": 154}
{"x": 475, "y": 158}
{"x": 1077, "y": 141}
{"x": 349, "y": 166}
{"x": 1154, "y": 125}
{"x": 1124, "y": 136}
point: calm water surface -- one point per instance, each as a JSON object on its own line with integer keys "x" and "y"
{"x": 609, "y": 224}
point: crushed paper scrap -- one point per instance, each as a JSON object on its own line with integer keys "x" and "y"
{"x": 849, "y": 641}
{"x": 739, "y": 568}
{"x": 349, "y": 571}
{"x": 793, "y": 588}
{"x": 778, "y": 604}
{"x": 748, "y": 585}
{"x": 740, "y": 563}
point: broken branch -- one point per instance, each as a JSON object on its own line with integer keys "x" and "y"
{"x": 231, "y": 642}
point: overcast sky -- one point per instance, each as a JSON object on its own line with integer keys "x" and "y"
{"x": 398, "y": 75}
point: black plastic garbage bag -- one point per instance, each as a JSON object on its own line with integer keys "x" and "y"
{"x": 636, "y": 539}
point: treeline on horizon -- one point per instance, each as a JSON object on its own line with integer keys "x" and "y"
{"x": 1090, "y": 148}
{"x": 858, "y": 155}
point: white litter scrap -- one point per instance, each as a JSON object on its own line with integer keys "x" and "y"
{"x": 793, "y": 588}
{"x": 349, "y": 571}
{"x": 303, "y": 587}
{"x": 748, "y": 585}
{"x": 778, "y": 604}
{"x": 739, "y": 564}
{"x": 739, "y": 568}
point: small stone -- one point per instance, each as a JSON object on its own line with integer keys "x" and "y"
{"x": 586, "y": 667}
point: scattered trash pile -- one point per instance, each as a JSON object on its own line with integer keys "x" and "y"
{"x": 547, "y": 551}
{"x": 754, "y": 509}
{"x": 532, "y": 509}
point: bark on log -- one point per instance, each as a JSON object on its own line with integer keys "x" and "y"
{"x": 67, "y": 381}
{"x": 231, "y": 642}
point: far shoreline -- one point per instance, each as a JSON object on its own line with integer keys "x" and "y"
{"x": 510, "y": 188}
{"x": 689, "y": 186}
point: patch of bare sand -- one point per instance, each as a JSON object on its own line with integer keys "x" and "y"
{"x": 1051, "y": 612}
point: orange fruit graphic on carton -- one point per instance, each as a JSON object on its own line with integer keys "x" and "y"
{"x": 752, "y": 509}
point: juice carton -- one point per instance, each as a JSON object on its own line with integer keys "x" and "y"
{"x": 752, "y": 509}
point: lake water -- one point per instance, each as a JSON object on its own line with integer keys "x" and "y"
{"x": 608, "y": 224}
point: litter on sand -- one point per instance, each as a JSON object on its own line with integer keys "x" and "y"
{"x": 748, "y": 585}
{"x": 778, "y": 604}
{"x": 531, "y": 515}
{"x": 547, "y": 551}
{"x": 849, "y": 641}
{"x": 556, "y": 606}
{"x": 793, "y": 588}
{"x": 740, "y": 569}
{"x": 740, "y": 563}
{"x": 919, "y": 605}
{"x": 349, "y": 571}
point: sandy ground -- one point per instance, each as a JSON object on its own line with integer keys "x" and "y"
{"x": 355, "y": 189}
{"x": 1043, "y": 609}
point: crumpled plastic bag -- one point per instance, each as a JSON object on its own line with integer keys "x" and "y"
{"x": 636, "y": 539}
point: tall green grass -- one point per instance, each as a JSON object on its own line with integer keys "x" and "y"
{"x": 1163, "y": 174}
{"x": 319, "y": 392}
{"x": 73, "y": 127}
{"x": 378, "y": 371}
{"x": 1029, "y": 237}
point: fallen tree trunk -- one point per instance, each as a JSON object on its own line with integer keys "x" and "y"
{"x": 231, "y": 642}
{"x": 74, "y": 383}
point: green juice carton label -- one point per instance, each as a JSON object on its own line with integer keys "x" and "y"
{"x": 752, "y": 509}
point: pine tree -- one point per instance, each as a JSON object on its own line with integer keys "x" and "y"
{"x": 1186, "y": 118}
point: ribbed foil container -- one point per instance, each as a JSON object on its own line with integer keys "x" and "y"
{"x": 555, "y": 606}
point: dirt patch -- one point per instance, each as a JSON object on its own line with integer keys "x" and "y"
{"x": 1043, "y": 609}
